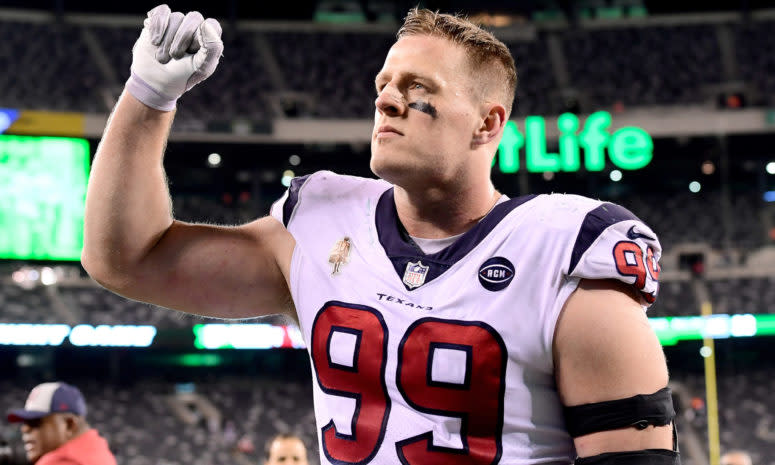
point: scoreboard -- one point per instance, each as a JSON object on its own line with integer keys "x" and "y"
{"x": 42, "y": 195}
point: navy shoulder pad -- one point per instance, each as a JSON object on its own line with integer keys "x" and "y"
{"x": 594, "y": 223}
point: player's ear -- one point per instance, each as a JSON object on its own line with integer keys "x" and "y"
{"x": 71, "y": 425}
{"x": 492, "y": 123}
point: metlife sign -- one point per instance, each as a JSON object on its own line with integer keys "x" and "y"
{"x": 628, "y": 148}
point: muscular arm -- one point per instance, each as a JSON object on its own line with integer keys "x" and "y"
{"x": 133, "y": 246}
{"x": 604, "y": 349}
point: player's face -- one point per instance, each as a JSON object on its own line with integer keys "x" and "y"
{"x": 426, "y": 113}
{"x": 287, "y": 451}
{"x": 44, "y": 435}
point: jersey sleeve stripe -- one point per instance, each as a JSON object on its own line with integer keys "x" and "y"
{"x": 293, "y": 198}
{"x": 597, "y": 221}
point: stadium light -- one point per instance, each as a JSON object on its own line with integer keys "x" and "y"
{"x": 214, "y": 160}
{"x": 7, "y": 118}
{"x": 770, "y": 167}
{"x": 47, "y": 276}
{"x": 694, "y": 187}
{"x": 288, "y": 175}
{"x": 615, "y": 175}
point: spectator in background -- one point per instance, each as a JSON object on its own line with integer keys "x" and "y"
{"x": 229, "y": 433}
{"x": 54, "y": 428}
{"x": 736, "y": 457}
{"x": 284, "y": 448}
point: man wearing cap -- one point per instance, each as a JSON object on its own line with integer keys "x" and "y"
{"x": 54, "y": 428}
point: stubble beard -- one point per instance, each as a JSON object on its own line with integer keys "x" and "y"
{"x": 398, "y": 167}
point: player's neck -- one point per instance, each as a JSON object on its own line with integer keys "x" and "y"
{"x": 436, "y": 213}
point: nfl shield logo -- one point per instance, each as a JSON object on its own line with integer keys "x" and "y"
{"x": 415, "y": 273}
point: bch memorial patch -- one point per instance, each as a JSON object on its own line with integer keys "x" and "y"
{"x": 496, "y": 273}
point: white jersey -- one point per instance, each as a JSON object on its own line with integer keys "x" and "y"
{"x": 445, "y": 358}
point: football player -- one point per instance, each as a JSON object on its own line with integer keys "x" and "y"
{"x": 446, "y": 322}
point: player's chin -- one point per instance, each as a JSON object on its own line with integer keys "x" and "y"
{"x": 380, "y": 157}
{"x": 389, "y": 169}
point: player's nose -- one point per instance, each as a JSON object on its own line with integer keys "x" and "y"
{"x": 390, "y": 102}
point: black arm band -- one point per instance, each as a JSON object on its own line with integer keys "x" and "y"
{"x": 638, "y": 412}
{"x": 640, "y": 457}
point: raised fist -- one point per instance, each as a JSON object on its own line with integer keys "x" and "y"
{"x": 174, "y": 53}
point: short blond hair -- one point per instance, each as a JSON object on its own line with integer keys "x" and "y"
{"x": 485, "y": 52}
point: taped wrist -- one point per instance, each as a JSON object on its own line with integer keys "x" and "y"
{"x": 639, "y": 457}
{"x": 143, "y": 92}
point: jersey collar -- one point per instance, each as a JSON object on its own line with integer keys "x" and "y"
{"x": 401, "y": 249}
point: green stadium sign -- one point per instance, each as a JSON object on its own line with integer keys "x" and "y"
{"x": 629, "y": 148}
{"x": 42, "y": 191}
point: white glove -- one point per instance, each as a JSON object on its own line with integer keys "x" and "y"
{"x": 173, "y": 54}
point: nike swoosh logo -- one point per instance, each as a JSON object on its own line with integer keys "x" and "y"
{"x": 633, "y": 234}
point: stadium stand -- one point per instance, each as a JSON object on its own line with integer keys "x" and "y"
{"x": 66, "y": 80}
{"x": 25, "y": 305}
{"x": 743, "y": 295}
{"x": 689, "y": 218}
{"x": 746, "y": 409}
{"x": 640, "y": 66}
{"x": 337, "y": 70}
{"x": 643, "y": 65}
{"x": 537, "y": 89}
{"x": 756, "y": 65}
{"x": 676, "y": 298}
